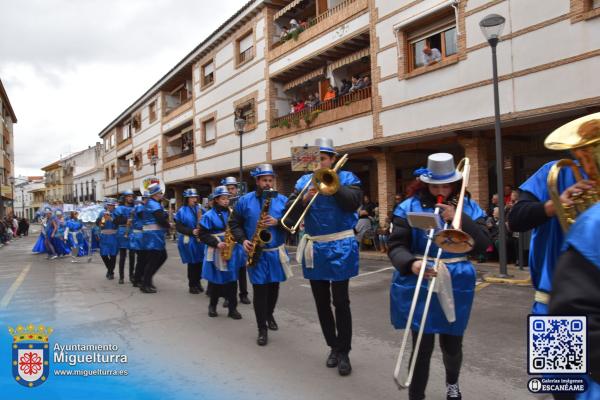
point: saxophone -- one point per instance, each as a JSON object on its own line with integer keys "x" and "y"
{"x": 229, "y": 241}
{"x": 129, "y": 222}
{"x": 103, "y": 220}
{"x": 262, "y": 235}
{"x": 198, "y": 218}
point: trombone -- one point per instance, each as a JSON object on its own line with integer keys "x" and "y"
{"x": 455, "y": 240}
{"x": 327, "y": 183}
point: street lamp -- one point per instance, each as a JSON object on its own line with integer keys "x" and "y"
{"x": 240, "y": 123}
{"x": 492, "y": 26}
{"x": 154, "y": 161}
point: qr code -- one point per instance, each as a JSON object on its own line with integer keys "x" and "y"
{"x": 557, "y": 344}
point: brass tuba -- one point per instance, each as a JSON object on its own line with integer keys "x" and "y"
{"x": 582, "y": 138}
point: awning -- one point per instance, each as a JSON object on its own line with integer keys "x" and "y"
{"x": 287, "y": 8}
{"x": 304, "y": 78}
{"x": 349, "y": 59}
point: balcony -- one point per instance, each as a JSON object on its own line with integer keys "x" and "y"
{"x": 172, "y": 113}
{"x": 317, "y": 25}
{"x": 126, "y": 176}
{"x": 177, "y": 160}
{"x": 341, "y": 108}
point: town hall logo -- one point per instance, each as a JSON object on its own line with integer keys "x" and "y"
{"x": 30, "y": 354}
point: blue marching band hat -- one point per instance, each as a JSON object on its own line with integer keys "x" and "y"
{"x": 191, "y": 192}
{"x": 262, "y": 170}
{"x": 154, "y": 188}
{"x": 220, "y": 191}
{"x": 440, "y": 169}
{"x": 110, "y": 201}
{"x": 127, "y": 192}
{"x": 230, "y": 180}
{"x": 145, "y": 194}
{"x": 325, "y": 145}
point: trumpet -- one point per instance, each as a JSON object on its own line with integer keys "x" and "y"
{"x": 582, "y": 137}
{"x": 403, "y": 384}
{"x": 455, "y": 240}
{"x": 327, "y": 183}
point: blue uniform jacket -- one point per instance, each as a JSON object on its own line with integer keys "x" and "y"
{"x": 153, "y": 234}
{"x": 135, "y": 234}
{"x": 191, "y": 250}
{"x": 109, "y": 245}
{"x": 123, "y": 211}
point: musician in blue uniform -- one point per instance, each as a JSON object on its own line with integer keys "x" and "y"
{"x": 109, "y": 245}
{"x": 535, "y": 210}
{"x": 123, "y": 214}
{"x": 136, "y": 242}
{"x": 233, "y": 188}
{"x": 58, "y": 239}
{"x": 406, "y": 248}
{"x": 155, "y": 227}
{"x": 272, "y": 265}
{"x": 576, "y": 289}
{"x": 221, "y": 274}
{"x": 328, "y": 253}
{"x": 40, "y": 245}
{"x": 51, "y": 227}
{"x": 74, "y": 237}
{"x": 190, "y": 248}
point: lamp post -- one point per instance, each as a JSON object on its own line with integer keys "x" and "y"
{"x": 492, "y": 26}
{"x": 240, "y": 123}
{"x": 154, "y": 161}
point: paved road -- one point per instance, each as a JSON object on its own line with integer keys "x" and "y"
{"x": 171, "y": 340}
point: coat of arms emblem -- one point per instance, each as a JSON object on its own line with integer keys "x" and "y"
{"x": 30, "y": 354}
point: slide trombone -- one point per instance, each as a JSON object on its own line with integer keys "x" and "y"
{"x": 327, "y": 183}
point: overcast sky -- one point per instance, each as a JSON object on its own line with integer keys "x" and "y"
{"x": 71, "y": 66}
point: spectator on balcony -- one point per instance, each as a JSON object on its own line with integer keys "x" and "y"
{"x": 430, "y": 55}
{"x": 299, "y": 106}
{"x": 357, "y": 84}
{"x": 366, "y": 81}
{"x": 303, "y": 24}
{"x": 294, "y": 25}
{"x": 284, "y": 34}
{"x": 312, "y": 101}
{"x": 346, "y": 85}
{"x": 330, "y": 94}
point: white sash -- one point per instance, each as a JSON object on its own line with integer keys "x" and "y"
{"x": 305, "y": 247}
{"x": 284, "y": 259}
{"x": 213, "y": 254}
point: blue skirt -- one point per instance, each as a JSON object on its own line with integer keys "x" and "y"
{"x": 95, "y": 241}
{"x": 39, "y": 246}
{"x": 191, "y": 252}
{"x": 135, "y": 239}
{"x": 81, "y": 243}
{"x": 61, "y": 247}
{"x": 212, "y": 274}
{"x": 463, "y": 288}
{"x": 123, "y": 241}
{"x": 333, "y": 261}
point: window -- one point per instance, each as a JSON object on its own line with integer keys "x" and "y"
{"x": 209, "y": 131}
{"x": 245, "y": 48}
{"x": 112, "y": 140}
{"x": 112, "y": 171}
{"x": 433, "y": 46}
{"x": 138, "y": 161}
{"x": 106, "y": 144}
{"x": 595, "y": 4}
{"x": 208, "y": 73}
{"x": 136, "y": 121}
{"x": 152, "y": 111}
{"x": 247, "y": 110}
{"x": 126, "y": 131}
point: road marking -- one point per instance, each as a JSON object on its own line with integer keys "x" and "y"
{"x": 481, "y": 285}
{"x": 374, "y": 272}
{"x": 14, "y": 287}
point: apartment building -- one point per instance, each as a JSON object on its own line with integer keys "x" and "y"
{"x": 24, "y": 202}
{"x": 87, "y": 175}
{"x": 53, "y": 181}
{"x": 272, "y": 54}
{"x": 7, "y": 120}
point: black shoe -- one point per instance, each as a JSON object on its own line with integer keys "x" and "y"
{"x": 121, "y": 281}
{"x": 110, "y": 276}
{"x": 332, "y": 359}
{"x": 272, "y": 325}
{"x": 135, "y": 284}
{"x": 453, "y": 392}
{"x": 244, "y": 299}
{"x": 147, "y": 289}
{"x": 263, "y": 337}
{"x": 212, "y": 311}
{"x": 152, "y": 286}
{"x": 194, "y": 290}
{"x": 344, "y": 367}
{"x": 226, "y": 304}
{"x": 200, "y": 288}
{"x": 234, "y": 314}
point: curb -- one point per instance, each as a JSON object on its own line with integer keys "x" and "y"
{"x": 508, "y": 281}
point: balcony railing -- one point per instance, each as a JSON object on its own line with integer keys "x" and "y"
{"x": 316, "y": 23}
{"x": 340, "y": 101}
{"x": 180, "y": 155}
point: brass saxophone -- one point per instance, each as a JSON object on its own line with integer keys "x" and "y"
{"x": 229, "y": 241}
{"x": 262, "y": 235}
{"x": 129, "y": 222}
{"x": 198, "y": 218}
{"x": 103, "y": 220}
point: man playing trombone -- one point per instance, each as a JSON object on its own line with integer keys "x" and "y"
{"x": 328, "y": 252}
{"x": 437, "y": 187}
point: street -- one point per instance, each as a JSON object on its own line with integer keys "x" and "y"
{"x": 172, "y": 343}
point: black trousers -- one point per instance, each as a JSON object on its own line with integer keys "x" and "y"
{"x": 110, "y": 262}
{"x": 338, "y": 330}
{"x": 227, "y": 291}
{"x": 264, "y": 300}
{"x": 122, "y": 256}
{"x": 138, "y": 275}
{"x": 154, "y": 260}
{"x": 194, "y": 272}
{"x": 451, "y": 353}
{"x": 243, "y": 283}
